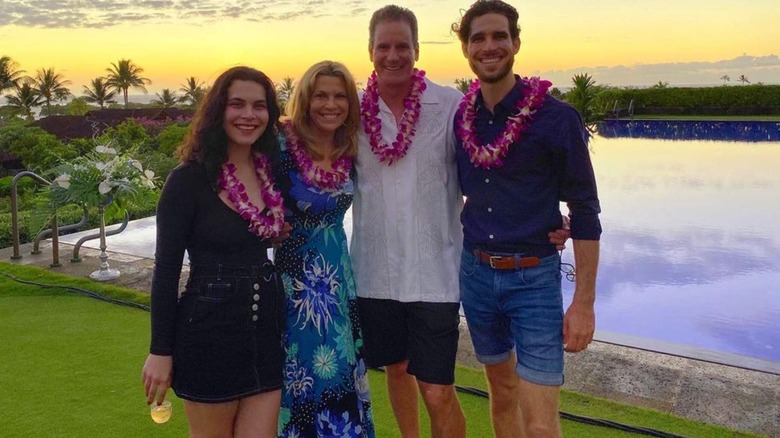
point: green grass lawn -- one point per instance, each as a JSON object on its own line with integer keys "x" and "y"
{"x": 70, "y": 366}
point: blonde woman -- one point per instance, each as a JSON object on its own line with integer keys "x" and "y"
{"x": 325, "y": 389}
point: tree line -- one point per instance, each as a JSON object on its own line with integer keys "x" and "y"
{"x": 47, "y": 86}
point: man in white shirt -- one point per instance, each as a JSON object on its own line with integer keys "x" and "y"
{"x": 407, "y": 237}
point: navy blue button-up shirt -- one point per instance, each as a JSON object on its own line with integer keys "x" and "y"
{"x": 512, "y": 208}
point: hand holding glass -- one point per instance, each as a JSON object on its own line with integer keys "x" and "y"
{"x": 161, "y": 413}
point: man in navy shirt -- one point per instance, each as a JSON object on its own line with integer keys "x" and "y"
{"x": 521, "y": 152}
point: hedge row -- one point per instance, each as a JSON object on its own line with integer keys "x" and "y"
{"x": 24, "y": 185}
{"x": 726, "y": 100}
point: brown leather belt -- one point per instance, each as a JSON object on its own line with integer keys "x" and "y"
{"x": 504, "y": 262}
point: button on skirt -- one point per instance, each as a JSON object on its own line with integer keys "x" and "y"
{"x": 228, "y": 335}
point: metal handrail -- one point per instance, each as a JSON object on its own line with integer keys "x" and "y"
{"x": 76, "y": 258}
{"x": 54, "y": 230}
{"x": 46, "y": 233}
{"x": 15, "y": 208}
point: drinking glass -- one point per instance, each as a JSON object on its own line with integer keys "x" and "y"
{"x": 161, "y": 413}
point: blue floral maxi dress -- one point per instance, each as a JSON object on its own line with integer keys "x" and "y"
{"x": 325, "y": 391}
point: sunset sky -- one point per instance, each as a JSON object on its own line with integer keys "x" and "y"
{"x": 640, "y": 42}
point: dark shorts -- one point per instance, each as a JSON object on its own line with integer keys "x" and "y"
{"x": 228, "y": 334}
{"x": 424, "y": 333}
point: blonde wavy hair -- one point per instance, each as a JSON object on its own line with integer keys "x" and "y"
{"x": 298, "y": 108}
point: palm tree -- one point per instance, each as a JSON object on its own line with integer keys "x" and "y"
{"x": 583, "y": 96}
{"x": 661, "y": 85}
{"x": 167, "y": 99}
{"x": 743, "y": 79}
{"x": 284, "y": 92}
{"x": 9, "y": 73}
{"x": 125, "y": 75}
{"x": 51, "y": 86}
{"x": 193, "y": 91}
{"x": 99, "y": 92}
{"x": 463, "y": 84}
{"x": 725, "y": 78}
{"x": 23, "y": 100}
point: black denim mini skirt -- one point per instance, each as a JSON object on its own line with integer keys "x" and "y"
{"x": 229, "y": 328}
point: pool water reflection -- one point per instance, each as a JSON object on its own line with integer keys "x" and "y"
{"x": 690, "y": 253}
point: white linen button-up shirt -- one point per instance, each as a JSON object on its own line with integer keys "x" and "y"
{"x": 407, "y": 236}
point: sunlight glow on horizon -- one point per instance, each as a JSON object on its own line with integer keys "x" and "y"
{"x": 557, "y": 37}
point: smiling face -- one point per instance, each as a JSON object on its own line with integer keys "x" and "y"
{"x": 246, "y": 113}
{"x": 490, "y": 48}
{"x": 328, "y": 105}
{"x": 394, "y": 53}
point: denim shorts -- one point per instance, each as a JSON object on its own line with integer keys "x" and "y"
{"x": 516, "y": 309}
{"x": 229, "y": 333}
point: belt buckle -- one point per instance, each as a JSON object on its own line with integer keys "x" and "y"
{"x": 494, "y": 258}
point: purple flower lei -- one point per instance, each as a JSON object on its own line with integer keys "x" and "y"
{"x": 492, "y": 155}
{"x": 262, "y": 225}
{"x": 369, "y": 109}
{"x": 311, "y": 174}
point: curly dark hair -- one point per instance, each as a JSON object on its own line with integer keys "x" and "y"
{"x": 482, "y": 7}
{"x": 206, "y": 142}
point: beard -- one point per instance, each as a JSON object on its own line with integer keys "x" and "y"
{"x": 492, "y": 77}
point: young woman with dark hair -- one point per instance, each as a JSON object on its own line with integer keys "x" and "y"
{"x": 218, "y": 345}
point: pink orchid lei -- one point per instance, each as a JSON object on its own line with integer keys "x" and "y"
{"x": 262, "y": 225}
{"x": 369, "y": 110}
{"x": 312, "y": 175}
{"x": 492, "y": 155}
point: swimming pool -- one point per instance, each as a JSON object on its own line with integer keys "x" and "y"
{"x": 690, "y": 255}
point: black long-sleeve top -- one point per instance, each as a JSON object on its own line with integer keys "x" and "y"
{"x": 191, "y": 216}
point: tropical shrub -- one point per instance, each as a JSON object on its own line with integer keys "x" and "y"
{"x": 128, "y": 137}
{"x": 155, "y": 127}
{"x": 37, "y": 149}
{"x": 170, "y": 138}
{"x": 587, "y": 97}
{"x": 25, "y": 185}
{"x": 161, "y": 164}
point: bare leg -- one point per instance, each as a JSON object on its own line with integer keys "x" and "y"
{"x": 258, "y": 415}
{"x": 402, "y": 389}
{"x": 539, "y": 404}
{"x": 505, "y": 399}
{"x": 211, "y": 420}
{"x": 447, "y": 419}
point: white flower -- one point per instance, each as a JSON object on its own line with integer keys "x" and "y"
{"x": 137, "y": 165}
{"x": 63, "y": 181}
{"x": 105, "y": 150}
{"x": 148, "y": 179}
{"x": 100, "y": 165}
{"x": 104, "y": 187}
